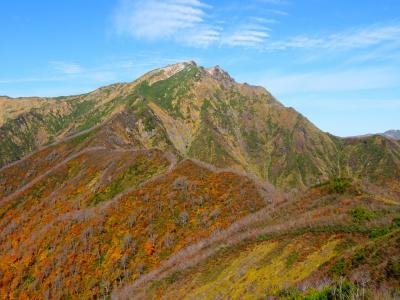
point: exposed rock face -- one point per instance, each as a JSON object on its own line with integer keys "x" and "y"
{"x": 220, "y": 75}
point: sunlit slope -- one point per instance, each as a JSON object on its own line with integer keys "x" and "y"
{"x": 204, "y": 114}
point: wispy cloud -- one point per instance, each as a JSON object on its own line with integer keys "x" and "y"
{"x": 364, "y": 37}
{"x": 196, "y": 23}
{"x": 203, "y": 36}
{"x": 252, "y": 34}
{"x": 67, "y": 67}
{"x": 264, "y": 20}
{"x": 278, "y": 12}
{"x": 347, "y": 40}
{"x": 190, "y": 22}
{"x": 336, "y": 103}
{"x": 123, "y": 69}
{"x": 155, "y": 19}
{"x": 332, "y": 81}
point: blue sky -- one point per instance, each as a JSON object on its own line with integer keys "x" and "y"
{"x": 337, "y": 62}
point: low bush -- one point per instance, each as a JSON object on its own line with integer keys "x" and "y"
{"x": 342, "y": 290}
{"x": 377, "y": 232}
{"x": 339, "y": 185}
{"x": 338, "y": 268}
{"x": 361, "y": 214}
{"x": 359, "y": 257}
{"x": 396, "y": 223}
{"x": 393, "y": 269}
{"x": 336, "y": 185}
{"x": 292, "y": 258}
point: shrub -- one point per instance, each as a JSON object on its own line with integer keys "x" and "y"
{"x": 377, "y": 232}
{"x": 359, "y": 257}
{"x": 336, "y": 185}
{"x": 264, "y": 237}
{"x": 338, "y": 267}
{"x": 339, "y": 185}
{"x": 396, "y": 222}
{"x": 292, "y": 258}
{"x": 361, "y": 214}
{"x": 393, "y": 269}
{"x": 346, "y": 244}
{"x": 289, "y": 293}
{"x": 342, "y": 290}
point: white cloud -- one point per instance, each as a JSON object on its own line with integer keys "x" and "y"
{"x": 203, "y": 36}
{"x": 346, "y": 40}
{"x": 154, "y": 19}
{"x": 66, "y": 67}
{"x": 344, "y": 104}
{"x": 336, "y": 81}
{"x": 278, "y": 12}
{"x": 188, "y": 22}
{"x": 250, "y": 35}
{"x": 264, "y": 20}
{"x": 194, "y": 23}
{"x": 364, "y": 37}
{"x": 125, "y": 68}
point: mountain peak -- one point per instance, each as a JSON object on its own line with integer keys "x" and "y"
{"x": 190, "y": 62}
{"x": 181, "y": 65}
{"x": 219, "y": 74}
{"x": 135, "y": 178}
{"x": 394, "y": 134}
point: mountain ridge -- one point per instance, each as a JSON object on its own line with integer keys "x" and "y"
{"x": 183, "y": 181}
{"x": 200, "y": 105}
{"x": 395, "y": 134}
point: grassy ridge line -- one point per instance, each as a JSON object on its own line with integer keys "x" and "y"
{"x": 66, "y": 139}
{"x": 89, "y": 212}
{"x": 265, "y": 188}
{"x": 203, "y": 249}
{"x": 92, "y": 211}
{"x": 48, "y": 172}
{"x": 170, "y": 157}
{"x": 104, "y": 205}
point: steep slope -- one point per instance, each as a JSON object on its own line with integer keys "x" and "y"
{"x": 210, "y": 117}
{"x": 51, "y": 119}
{"x": 203, "y": 114}
{"x": 83, "y": 216}
{"x": 375, "y": 158}
{"x": 324, "y": 244}
{"x": 162, "y": 187}
{"x": 10, "y": 109}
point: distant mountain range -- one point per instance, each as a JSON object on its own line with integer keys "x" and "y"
{"x": 185, "y": 184}
{"x": 394, "y": 134}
